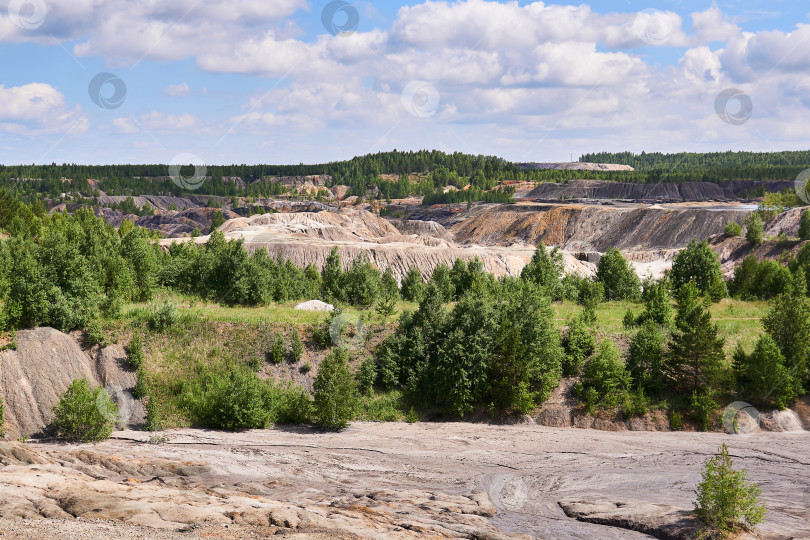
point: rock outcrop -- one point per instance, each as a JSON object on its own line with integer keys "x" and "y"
{"x": 46, "y": 361}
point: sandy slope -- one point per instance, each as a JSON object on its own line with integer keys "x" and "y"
{"x": 426, "y": 479}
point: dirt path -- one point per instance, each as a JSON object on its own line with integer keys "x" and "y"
{"x": 526, "y": 470}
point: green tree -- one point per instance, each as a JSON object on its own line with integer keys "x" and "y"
{"x": 763, "y": 377}
{"x": 733, "y": 229}
{"x": 804, "y": 226}
{"x": 645, "y": 358}
{"x": 296, "y": 346}
{"x": 618, "y": 277}
{"x": 217, "y": 219}
{"x": 700, "y": 265}
{"x": 657, "y": 304}
{"x": 412, "y": 286}
{"x": 545, "y": 270}
{"x": 695, "y": 358}
{"x": 726, "y": 502}
{"x": 579, "y": 343}
{"x": 332, "y": 277}
{"x": 788, "y": 323}
{"x": 754, "y": 229}
{"x": 444, "y": 282}
{"x": 336, "y": 400}
{"x": 361, "y": 282}
{"x": 605, "y": 380}
{"x": 84, "y": 413}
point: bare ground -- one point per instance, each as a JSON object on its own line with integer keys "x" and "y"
{"x": 392, "y": 480}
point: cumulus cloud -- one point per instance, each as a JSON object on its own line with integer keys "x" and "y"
{"x": 38, "y": 108}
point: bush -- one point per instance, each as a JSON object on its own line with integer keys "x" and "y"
{"x": 675, "y": 420}
{"x": 412, "y": 417}
{"x": 645, "y": 359}
{"x": 361, "y": 283}
{"x": 94, "y": 333}
{"x": 229, "y": 397}
{"x": 763, "y": 377}
{"x": 412, "y": 286}
{"x": 579, "y": 344}
{"x": 754, "y": 229}
{"x": 703, "y": 407}
{"x": 366, "y": 376}
{"x": 336, "y": 398}
{"x": 804, "y": 226}
{"x": 135, "y": 354}
{"x": 296, "y": 347}
{"x": 276, "y": 353}
{"x": 2, "y": 418}
{"x": 84, "y": 413}
{"x": 618, "y": 277}
{"x": 162, "y": 315}
{"x": 726, "y": 502}
{"x": 733, "y": 229}
{"x": 291, "y": 404}
{"x": 605, "y": 379}
{"x": 657, "y": 304}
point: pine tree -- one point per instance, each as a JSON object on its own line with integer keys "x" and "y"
{"x": 335, "y": 389}
{"x": 695, "y": 358}
{"x": 788, "y": 323}
{"x": 331, "y": 277}
{"x": 804, "y": 226}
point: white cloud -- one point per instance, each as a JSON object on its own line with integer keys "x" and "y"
{"x": 39, "y": 108}
{"x": 177, "y": 90}
{"x": 156, "y": 121}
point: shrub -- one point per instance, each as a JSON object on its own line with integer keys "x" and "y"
{"x": 135, "y": 351}
{"x": 229, "y": 397}
{"x": 618, "y": 277}
{"x": 305, "y": 368}
{"x": 675, "y": 420}
{"x": 579, "y": 344}
{"x": 629, "y": 319}
{"x": 336, "y": 398}
{"x": 703, "y": 407}
{"x": 412, "y": 417}
{"x": 162, "y": 315}
{"x": 754, "y": 229}
{"x": 361, "y": 283}
{"x": 763, "y": 377}
{"x": 412, "y": 286}
{"x": 2, "y": 418}
{"x": 296, "y": 347}
{"x": 154, "y": 419}
{"x": 94, "y": 333}
{"x": 804, "y": 226}
{"x": 605, "y": 380}
{"x": 276, "y": 354}
{"x": 657, "y": 304}
{"x": 726, "y": 502}
{"x": 788, "y": 323}
{"x": 645, "y": 358}
{"x": 291, "y": 404}
{"x": 84, "y": 413}
{"x": 366, "y": 376}
{"x": 733, "y": 229}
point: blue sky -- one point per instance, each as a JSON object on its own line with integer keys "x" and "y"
{"x": 266, "y": 81}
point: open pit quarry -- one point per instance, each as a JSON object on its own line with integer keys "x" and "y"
{"x": 504, "y": 237}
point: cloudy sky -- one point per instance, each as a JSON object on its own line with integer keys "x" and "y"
{"x": 289, "y": 81}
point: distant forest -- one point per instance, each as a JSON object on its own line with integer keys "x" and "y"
{"x": 434, "y": 170}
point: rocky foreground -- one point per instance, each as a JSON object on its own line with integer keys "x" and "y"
{"x": 424, "y": 480}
